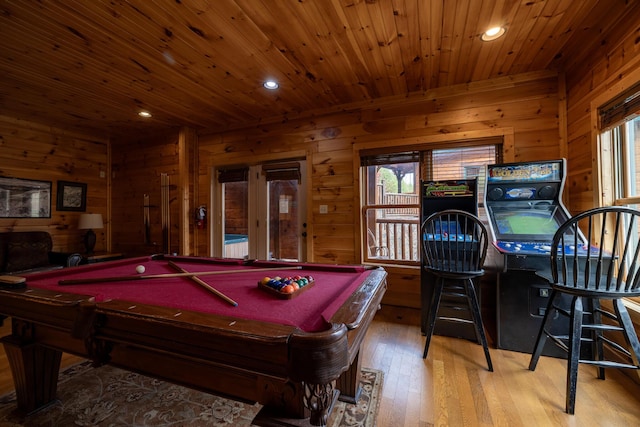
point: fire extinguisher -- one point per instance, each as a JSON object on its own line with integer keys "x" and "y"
{"x": 201, "y": 217}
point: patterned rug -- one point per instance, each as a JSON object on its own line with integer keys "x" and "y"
{"x": 112, "y": 397}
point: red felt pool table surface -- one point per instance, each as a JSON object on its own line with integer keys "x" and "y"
{"x": 291, "y": 355}
{"x": 310, "y": 311}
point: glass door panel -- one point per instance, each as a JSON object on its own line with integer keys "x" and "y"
{"x": 284, "y": 228}
{"x": 236, "y": 219}
{"x": 260, "y": 212}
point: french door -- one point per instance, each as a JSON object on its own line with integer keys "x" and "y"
{"x": 260, "y": 212}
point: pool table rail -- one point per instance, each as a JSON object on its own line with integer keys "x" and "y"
{"x": 70, "y": 312}
{"x": 358, "y": 304}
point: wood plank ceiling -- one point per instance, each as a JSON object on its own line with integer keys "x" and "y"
{"x": 91, "y": 65}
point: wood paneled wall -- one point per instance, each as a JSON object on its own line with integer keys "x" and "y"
{"x": 138, "y": 165}
{"x": 31, "y": 151}
{"x": 593, "y": 79}
{"x": 525, "y": 109}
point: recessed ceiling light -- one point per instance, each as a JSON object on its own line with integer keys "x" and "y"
{"x": 493, "y": 33}
{"x": 271, "y": 84}
{"x": 144, "y": 114}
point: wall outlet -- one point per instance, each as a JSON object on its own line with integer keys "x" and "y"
{"x": 324, "y": 209}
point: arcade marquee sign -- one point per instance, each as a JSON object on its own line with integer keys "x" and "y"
{"x": 447, "y": 189}
{"x": 530, "y": 172}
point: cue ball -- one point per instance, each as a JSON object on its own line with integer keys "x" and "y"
{"x": 140, "y": 269}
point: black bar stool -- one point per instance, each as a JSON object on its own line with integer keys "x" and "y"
{"x": 608, "y": 271}
{"x": 454, "y": 245}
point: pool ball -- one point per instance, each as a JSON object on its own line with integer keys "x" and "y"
{"x": 275, "y": 284}
{"x": 140, "y": 269}
{"x": 265, "y": 280}
{"x": 288, "y": 289}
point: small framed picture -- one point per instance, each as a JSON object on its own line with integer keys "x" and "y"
{"x": 72, "y": 196}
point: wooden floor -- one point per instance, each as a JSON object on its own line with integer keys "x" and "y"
{"x": 452, "y": 387}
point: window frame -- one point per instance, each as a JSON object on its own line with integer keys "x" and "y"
{"x": 370, "y": 242}
{"x": 499, "y": 141}
{"x": 614, "y": 120}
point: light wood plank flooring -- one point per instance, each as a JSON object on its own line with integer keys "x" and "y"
{"x": 452, "y": 387}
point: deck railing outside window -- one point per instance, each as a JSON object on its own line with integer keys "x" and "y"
{"x": 393, "y": 228}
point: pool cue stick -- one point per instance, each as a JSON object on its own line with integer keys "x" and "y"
{"x": 202, "y": 283}
{"x": 166, "y": 230}
{"x": 147, "y": 221}
{"x": 88, "y": 280}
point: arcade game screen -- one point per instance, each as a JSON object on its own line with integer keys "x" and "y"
{"x": 526, "y": 222}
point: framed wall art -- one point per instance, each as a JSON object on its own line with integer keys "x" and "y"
{"x": 24, "y": 198}
{"x": 72, "y": 196}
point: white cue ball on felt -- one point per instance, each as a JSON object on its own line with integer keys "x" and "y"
{"x": 140, "y": 269}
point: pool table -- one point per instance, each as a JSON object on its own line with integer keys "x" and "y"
{"x": 294, "y": 355}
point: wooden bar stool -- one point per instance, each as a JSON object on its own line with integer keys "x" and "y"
{"x": 607, "y": 271}
{"x": 454, "y": 246}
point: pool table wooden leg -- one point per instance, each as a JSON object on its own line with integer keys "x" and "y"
{"x": 319, "y": 398}
{"x": 349, "y": 382}
{"x": 35, "y": 372}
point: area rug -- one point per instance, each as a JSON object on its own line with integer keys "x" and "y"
{"x": 112, "y": 397}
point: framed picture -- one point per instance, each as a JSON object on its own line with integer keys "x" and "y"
{"x": 24, "y": 198}
{"x": 72, "y": 196}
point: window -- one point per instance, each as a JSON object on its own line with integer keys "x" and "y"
{"x": 619, "y": 149}
{"x": 619, "y": 142}
{"x": 392, "y": 207}
{"x": 463, "y": 163}
{"x": 391, "y": 194}
{"x": 619, "y": 159}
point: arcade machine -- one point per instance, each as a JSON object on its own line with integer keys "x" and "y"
{"x": 438, "y": 196}
{"x": 524, "y": 208}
